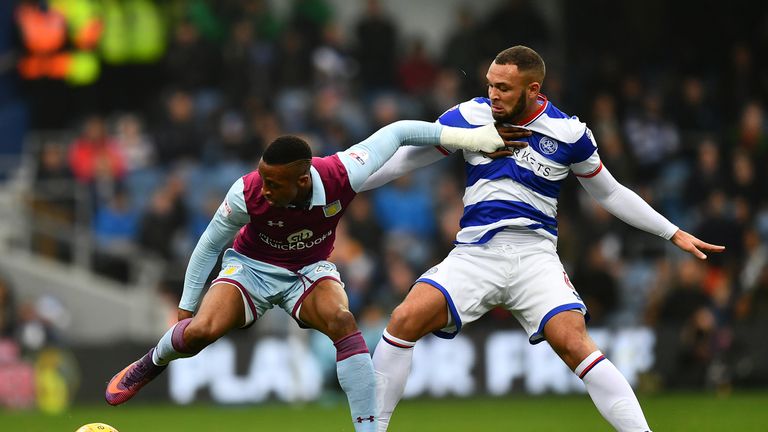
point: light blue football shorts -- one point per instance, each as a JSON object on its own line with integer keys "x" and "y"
{"x": 265, "y": 285}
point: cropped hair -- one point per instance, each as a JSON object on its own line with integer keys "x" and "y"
{"x": 287, "y": 149}
{"x": 526, "y": 60}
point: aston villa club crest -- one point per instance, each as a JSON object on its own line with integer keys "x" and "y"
{"x": 332, "y": 209}
{"x": 325, "y": 268}
{"x": 231, "y": 269}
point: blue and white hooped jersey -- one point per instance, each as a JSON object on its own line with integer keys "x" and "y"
{"x": 521, "y": 191}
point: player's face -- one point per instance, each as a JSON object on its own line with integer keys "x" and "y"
{"x": 511, "y": 92}
{"x": 283, "y": 184}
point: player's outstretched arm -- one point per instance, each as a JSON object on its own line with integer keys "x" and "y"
{"x": 625, "y": 204}
{"x": 630, "y": 208}
{"x": 405, "y": 160}
{"x": 484, "y": 139}
{"x": 365, "y": 158}
{"x": 693, "y": 245}
{"x": 409, "y": 158}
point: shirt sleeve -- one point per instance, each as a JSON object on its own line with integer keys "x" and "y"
{"x": 585, "y": 161}
{"x": 467, "y": 126}
{"x": 625, "y": 204}
{"x": 231, "y": 215}
{"x": 365, "y": 158}
{"x": 405, "y": 160}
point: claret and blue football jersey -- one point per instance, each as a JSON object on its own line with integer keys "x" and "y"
{"x": 521, "y": 190}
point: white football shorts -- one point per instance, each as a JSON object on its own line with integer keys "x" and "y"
{"x": 520, "y": 272}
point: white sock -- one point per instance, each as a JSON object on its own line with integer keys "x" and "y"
{"x": 611, "y": 394}
{"x": 392, "y": 363}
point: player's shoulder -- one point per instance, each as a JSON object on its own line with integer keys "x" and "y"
{"x": 253, "y": 178}
{"x": 248, "y": 186}
{"x": 330, "y": 166}
{"x": 332, "y": 172}
{"x": 468, "y": 114}
{"x": 244, "y": 192}
{"x": 558, "y": 125}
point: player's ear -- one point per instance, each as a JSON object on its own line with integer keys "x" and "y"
{"x": 304, "y": 180}
{"x": 533, "y": 89}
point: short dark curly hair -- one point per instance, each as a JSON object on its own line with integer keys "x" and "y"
{"x": 287, "y": 149}
{"x": 526, "y": 60}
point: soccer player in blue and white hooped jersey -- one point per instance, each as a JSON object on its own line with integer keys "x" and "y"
{"x": 506, "y": 249}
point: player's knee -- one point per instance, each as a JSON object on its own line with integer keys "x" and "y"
{"x": 399, "y": 318}
{"x": 341, "y": 324}
{"x": 573, "y": 347}
{"x": 405, "y": 324}
{"x": 201, "y": 333}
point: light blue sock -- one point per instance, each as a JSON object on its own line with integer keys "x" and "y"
{"x": 358, "y": 380}
{"x": 171, "y": 345}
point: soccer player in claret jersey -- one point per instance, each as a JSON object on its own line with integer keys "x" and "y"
{"x": 506, "y": 250}
{"x": 283, "y": 218}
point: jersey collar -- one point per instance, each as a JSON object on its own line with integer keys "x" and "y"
{"x": 318, "y": 190}
{"x": 543, "y": 102}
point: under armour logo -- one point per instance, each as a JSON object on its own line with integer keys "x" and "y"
{"x": 278, "y": 223}
{"x": 362, "y": 419}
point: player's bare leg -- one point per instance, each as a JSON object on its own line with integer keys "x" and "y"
{"x": 566, "y": 333}
{"x": 222, "y": 309}
{"x": 326, "y": 309}
{"x": 424, "y": 310}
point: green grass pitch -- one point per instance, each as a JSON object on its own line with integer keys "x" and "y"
{"x": 743, "y": 412}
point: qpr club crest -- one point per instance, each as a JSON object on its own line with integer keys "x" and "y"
{"x": 548, "y": 145}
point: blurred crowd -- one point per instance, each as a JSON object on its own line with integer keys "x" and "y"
{"x": 143, "y": 157}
